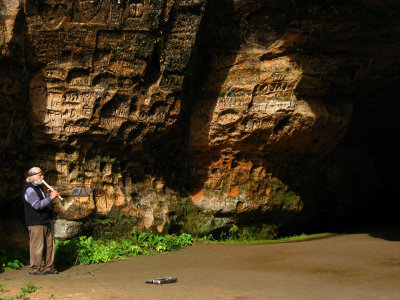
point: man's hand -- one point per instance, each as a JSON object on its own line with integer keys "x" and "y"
{"x": 53, "y": 194}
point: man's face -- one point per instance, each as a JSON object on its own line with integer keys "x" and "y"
{"x": 38, "y": 177}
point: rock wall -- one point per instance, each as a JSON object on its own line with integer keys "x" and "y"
{"x": 14, "y": 124}
{"x": 194, "y": 115}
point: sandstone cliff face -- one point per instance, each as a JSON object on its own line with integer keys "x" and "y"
{"x": 195, "y": 115}
{"x": 108, "y": 81}
{"x": 14, "y": 140}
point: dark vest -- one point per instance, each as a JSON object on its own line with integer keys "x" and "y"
{"x": 33, "y": 216}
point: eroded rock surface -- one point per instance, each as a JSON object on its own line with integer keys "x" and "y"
{"x": 196, "y": 115}
{"x": 106, "y": 75}
{"x": 65, "y": 229}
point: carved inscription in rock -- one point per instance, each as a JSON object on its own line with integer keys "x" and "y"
{"x": 136, "y": 10}
{"x": 71, "y": 98}
{"x": 106, "y": 39}
{"x": 275, "y": 87}
{"x": 58, "y": 111}
{"x": 111, "y": 122}
{"x": 38, "y": 96}
{"x": 232, "y": 99}
{"x": 228, "y": 117}
{"x": 90, "y": 11}
{"x": 59, "y": 74}
{"x": 142, "y": 15}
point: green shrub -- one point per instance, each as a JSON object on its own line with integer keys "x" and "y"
{"x": 10, "y": 261}
{"x": 92, "y": 251}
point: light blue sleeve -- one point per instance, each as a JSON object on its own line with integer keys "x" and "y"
{"x": 33, "y": 199}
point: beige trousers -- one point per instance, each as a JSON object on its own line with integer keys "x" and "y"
{"x": 41, "y": 243}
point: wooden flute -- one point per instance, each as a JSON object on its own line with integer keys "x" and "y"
{"x": 48, "y": 186}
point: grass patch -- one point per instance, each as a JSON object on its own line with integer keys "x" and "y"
{"x": 294, "y": 238}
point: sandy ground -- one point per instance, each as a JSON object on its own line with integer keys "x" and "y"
{"x": 346, "y": 266}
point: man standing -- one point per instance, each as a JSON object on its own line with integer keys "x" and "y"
{"x": 38, "y": 214}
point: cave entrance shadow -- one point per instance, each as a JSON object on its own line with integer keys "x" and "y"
{"x": 353, "y": 176}
{"x": 387, "y": 233}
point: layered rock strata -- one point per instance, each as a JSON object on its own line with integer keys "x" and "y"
{"x": 197, "y": 115}
{"x": 108, "y": 79}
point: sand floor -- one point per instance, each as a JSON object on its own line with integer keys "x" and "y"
{"x": 345, "y": 266}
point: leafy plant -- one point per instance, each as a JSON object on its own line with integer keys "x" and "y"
{"x": 30, "y": 288}
{"x": 12, "y": 261}
{"x": 91, "y": 250}
{"x": 234, "y": 232}
{"x": 21, "y": 296}
{"x": 15, "y": 264}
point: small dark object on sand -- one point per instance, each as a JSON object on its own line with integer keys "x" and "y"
{"x": 162, "y": 280}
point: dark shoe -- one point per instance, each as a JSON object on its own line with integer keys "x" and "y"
{"x": 53, "y": 271}
{"x": 38, "y": 273}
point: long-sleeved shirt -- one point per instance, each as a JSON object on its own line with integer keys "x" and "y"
{"x": 33, "y": 199}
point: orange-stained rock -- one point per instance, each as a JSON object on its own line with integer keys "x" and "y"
{"x": 198, "y": 196}
{"x": 234, "y": 191}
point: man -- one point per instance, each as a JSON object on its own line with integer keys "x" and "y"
{"x": 38, "y": 213}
